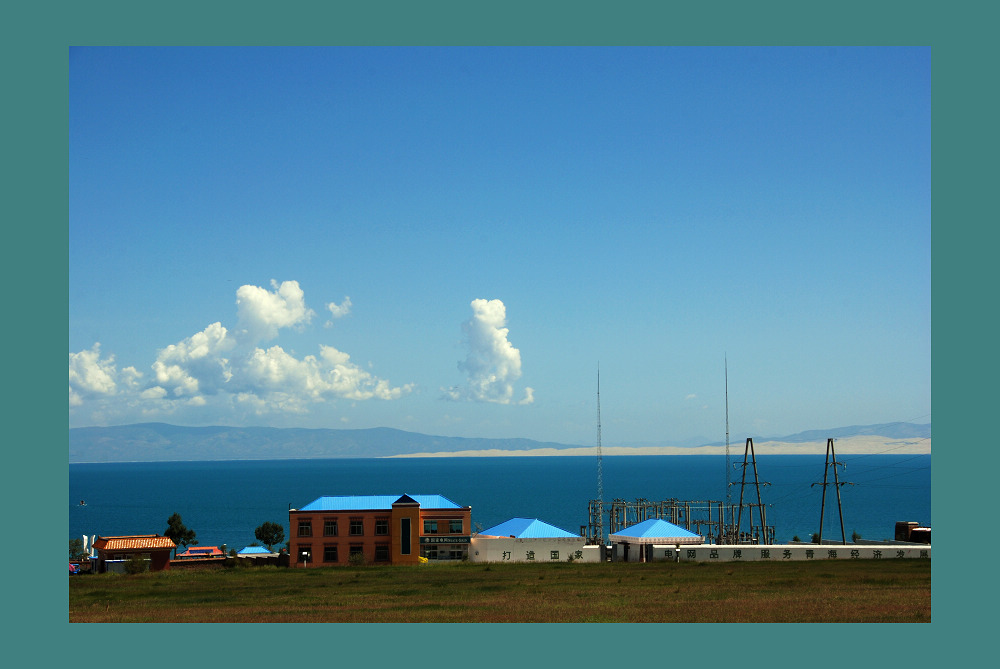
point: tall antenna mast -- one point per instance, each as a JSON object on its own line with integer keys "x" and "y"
{"x": 729, "y": 500}
{"x": 600, "y": 472}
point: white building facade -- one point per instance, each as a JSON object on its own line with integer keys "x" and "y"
{"x": 530, "y": 540}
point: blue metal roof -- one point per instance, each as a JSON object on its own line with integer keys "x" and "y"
{"x": 254, "y": 549}
{"x": 376, "y": 502}
{"x": 527, "y": 528}
{"x": 656, "y": 528}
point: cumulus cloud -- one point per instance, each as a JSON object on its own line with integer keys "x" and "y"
{"x": 338, "y": 310}
{"x": 219, "y": 368}
{"x": 91, "y": 376}
{"x": 492, "y": 364}
{"x": 348, "y": 380}
{"x": 262, "y": 313}
{"x": 196, "y": 365}
{"x": 275, "y": 372}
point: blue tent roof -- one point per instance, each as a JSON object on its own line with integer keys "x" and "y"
{"x": 657, "y": 528}
{"x": 376, "y": 502}
{"x": 527, "y": 528}
{"x": 254, "y": 549}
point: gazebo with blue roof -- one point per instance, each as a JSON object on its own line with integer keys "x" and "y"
{"x": 526, "y": 528}
{"x": 530, "y": 540}
{"x": 655, "y": 539}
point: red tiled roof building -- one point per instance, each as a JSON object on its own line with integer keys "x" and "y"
{"x": 200, "y": 552}
{"x": 152, "y": 547}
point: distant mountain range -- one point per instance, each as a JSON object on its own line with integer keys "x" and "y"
{"x": 160, "y": 442}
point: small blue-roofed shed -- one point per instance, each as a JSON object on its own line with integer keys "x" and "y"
{"x": 255, "y": 551}
{"x": 651, "y": 539}
{"x": 530, "y": 540}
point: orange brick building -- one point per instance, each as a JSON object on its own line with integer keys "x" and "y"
{"x": 381, "y": 529}
{"x": 152, "y": 547}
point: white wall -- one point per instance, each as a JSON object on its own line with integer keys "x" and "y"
{"x": 506, "y": 549}
{"x": 780, "y": 552}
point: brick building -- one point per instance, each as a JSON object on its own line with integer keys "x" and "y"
{"x": 382, "y": 529}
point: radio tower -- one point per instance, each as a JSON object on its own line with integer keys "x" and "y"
{"x": 729, "y": 498}
{"x": 600, "y": 473}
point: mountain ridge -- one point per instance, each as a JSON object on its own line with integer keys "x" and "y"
{"x": 163, "y": 442}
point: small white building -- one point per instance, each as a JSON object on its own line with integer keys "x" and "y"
{"x": 530, "y": 540}
{"x": 651, "y": 540}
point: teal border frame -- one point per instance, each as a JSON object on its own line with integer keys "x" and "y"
{"x": 36, "y": 62}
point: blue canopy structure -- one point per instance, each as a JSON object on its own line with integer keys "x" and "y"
{"x": 656, "y": 531}
{"x": 527, "y": 528}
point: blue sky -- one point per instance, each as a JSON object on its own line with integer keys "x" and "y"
{"x": 450, "y": 241}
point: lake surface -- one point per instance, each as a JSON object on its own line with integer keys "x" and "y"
{"x": 224, "y": 501}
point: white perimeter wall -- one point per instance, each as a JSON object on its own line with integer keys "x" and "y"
{"x": 781, "y": 552}
{"x": 506, "y": 549}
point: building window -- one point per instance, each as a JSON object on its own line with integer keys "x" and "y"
{"x": 429, "y": 552}
{"x": 430, "y": 527}
{"x": 404, "y": 536}
{"x": 455, "y": 526}
{"x": 305, "y": 528}
{"x": 553, "y": 555}
{"x": 357, "y": 527}
{"x": 305, "y": 554}
{"x": 381, "y": 553}
{"x": 382, "y": 527}
{"x": 330, "y": 528}
{"x": 329, "y": 553}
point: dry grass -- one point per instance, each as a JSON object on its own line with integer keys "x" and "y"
{"x": 822, "y": 591}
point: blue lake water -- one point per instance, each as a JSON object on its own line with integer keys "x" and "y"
{"x": 224, "y": 501}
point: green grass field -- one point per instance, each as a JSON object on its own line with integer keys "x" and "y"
{"x": 896, "y": 591}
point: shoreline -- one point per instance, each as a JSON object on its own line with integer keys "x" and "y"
{"x": 844, "y": 446}
{"x": 867, "y": 445}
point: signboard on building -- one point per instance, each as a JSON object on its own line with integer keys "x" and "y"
{"x": 444, "y": 540}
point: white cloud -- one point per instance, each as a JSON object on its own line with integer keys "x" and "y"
{"x": 492, "y": 364}
{"x": 195, "y": 365}
{"x": 130, "y": 378}
{"x": 219, "y": 370}
{"x": 339, "y": 310}
{"x": 277, "y": 375}
{"x": 262, "y": 313}
{"x": 348, "y": 380}
{"x": 154, "y": 393}
{"x": 275, "y": 371}
{"x": 90, "y": 376}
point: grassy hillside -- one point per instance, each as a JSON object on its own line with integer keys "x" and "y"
{"x": 826, "y": 591}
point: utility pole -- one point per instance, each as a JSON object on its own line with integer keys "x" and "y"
{"x": 763, "y": 521}
{"x": 831, "y": 460}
